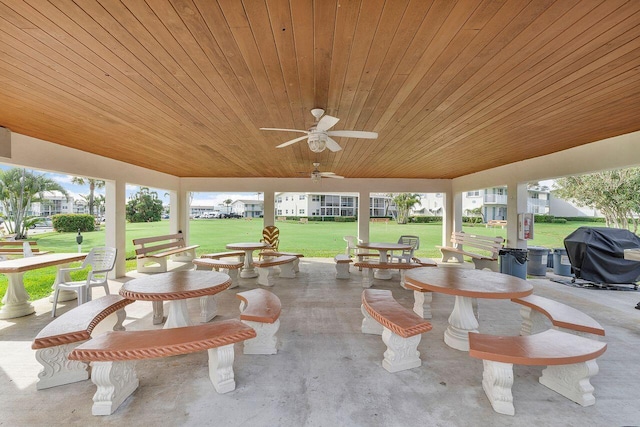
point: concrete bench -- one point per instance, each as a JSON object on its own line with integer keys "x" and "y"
{"x": 266, "y": 272}
{"x": 400, "y": 328}
{"x": 342, "y": 266}
{"x": 18, "y": 248}
{"x": 369, "y": 266}
{"x": 113, "y": 353}
{"x": 152, "y": 252}
{"x": 569, "y": 360}
{"x": 260, "y": 309}
{"x": 536, "y": 308}
{"x": 228, "y": 267}
{"x": 496, "y": 223}
{"x": 54, "y": 342}
{"x": 219, "y": 255}
{"x": 296, "y": 262}
{"x": 460, "y": 240}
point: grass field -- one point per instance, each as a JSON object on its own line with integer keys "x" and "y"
{"x": 314, "y": 239}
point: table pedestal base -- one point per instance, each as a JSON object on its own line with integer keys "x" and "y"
{"x": 16, "y": 300}
{"x": 382, "y": 274}
{"x": 461, "y": 323}
{"x": 178, "y": 315}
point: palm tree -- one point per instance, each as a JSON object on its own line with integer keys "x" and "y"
{"x": 404, "y": 203}
{"x": 93, "y": 185}
{"x": 20, "y": 188}
{"x": 227, "y": 203}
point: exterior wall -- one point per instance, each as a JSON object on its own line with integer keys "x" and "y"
{"x": 326, "y": 204}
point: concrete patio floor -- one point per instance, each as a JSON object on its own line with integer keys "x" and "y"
{"x": 327, "y": 373}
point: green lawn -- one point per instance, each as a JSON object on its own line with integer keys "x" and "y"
{"x": 314, "y": 239}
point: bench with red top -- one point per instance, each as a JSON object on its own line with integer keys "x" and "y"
{"x": 228, "y": 267}
{"x": 368, "y": 267}
{"x": 569, "y": 360}
{"x": 56, "y": 340}
{"x": 536, "y": 308}
{"x": 400, "y": 328}
{"x": 271, "y": 253}
{"x": 112, "y": 355}
{"x": 229, "y": 254}
{"x": 152, "y": 252}
{"x": 266, "y": 271}
{"x": 260, "y": 309}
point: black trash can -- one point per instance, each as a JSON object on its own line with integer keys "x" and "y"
{"x": 561, "y": 263}
{"x": 537, "y": 261}
{"x": 513, "y": 261}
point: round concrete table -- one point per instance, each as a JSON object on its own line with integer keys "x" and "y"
{"x": 176, "y": 287}
{"x": 465, "y": 285}
{"x": 382, "y": 248}
{"x": 248, "y": 270}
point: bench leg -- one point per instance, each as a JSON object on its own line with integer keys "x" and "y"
{"x": 448, "y": 255}
{"x": 497, "y": 379}
{"x": 221, "y": 368}
{"x": 422, "y": 304}
{"x": 402, "y": 353}
{"x": 287, "y": 271}
{"x": 369, "y": 324}
{"x": 572, "y": 381}
{"x": 186, "y": 256}
{"x": 296, "y": 265}
{"x": 266, "y": 276}
{"x": 121, "y": 317}
{"x": 158, "y": 312}
{"x": 115, "y": 381}
{"x": 208, "y": 308}
{"x": 402, "y": 284}
{"x": 342, "y": 270}
{"x": 367, "y": 277}
{"x": 58, "y": 369}
{"x": 233, "y": 273}
{"x": 532, "y": 321}
{"x": 152, "y": 265}
{"x": 486, "y": 264}
{"x": 265, "y": 340}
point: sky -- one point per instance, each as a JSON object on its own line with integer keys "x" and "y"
{"x": 199, "y": 199}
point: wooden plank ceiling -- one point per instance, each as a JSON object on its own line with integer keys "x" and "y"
{"x": 183, "y": 86}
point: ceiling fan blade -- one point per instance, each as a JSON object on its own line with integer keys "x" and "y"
{"x": 286, "y": 130}
{"x": 293, "y": 141}
{"x": 332, "y": 145}
{"x": 353, "y": 134}
{"x": 327, "y": 122}
{"x": 330, "y": 175}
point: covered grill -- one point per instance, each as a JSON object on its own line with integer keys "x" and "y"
{"x": 597, "y": 255}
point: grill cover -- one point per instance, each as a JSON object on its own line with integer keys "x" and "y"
{"x": 597, "y": 254}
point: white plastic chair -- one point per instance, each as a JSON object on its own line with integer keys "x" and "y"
{"x": 101, "y": 260}
{"x": 406, "y": 255}
{"x": 352, "y": 244}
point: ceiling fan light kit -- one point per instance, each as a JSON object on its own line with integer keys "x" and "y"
{"x": 319, "y": 136}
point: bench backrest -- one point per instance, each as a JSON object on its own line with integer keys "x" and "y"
{"x": 485, "y": 243}
{"x": 18, "y": 247}
{"x": 145, "y": 245}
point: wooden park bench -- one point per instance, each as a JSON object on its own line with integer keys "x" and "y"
{"x": 260, "y": 309}
{"x": 496, "y": 223}
{"x": 56, "y": 340}
{"x": 112, "y": 355}
{"x": 368, "y": 267}
{"x": 266, "y": 272}
{"x": 569, "y": 360}
{"x": 152, "y": 252}
{"x": 400, "y": 328}
{"x": 535, "y": 308}
{"x": 342, "y": 266}
{"x": 17, "y": 248}
{"x": 461, "y": 240}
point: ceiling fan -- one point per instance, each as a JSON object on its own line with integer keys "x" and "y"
{"x": 319, "y": 136}
{"x": 316, "y": 175}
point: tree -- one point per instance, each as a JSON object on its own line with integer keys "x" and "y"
{"x": 93, "y": 185}
{"x": 227, "y": 203}
{"x": 615, "y": 193}
{"x": 144, "y": 206}
{"x": 475, "y": 212}
{"x": 404, "y": 203}
{"x": 20, "y": 188}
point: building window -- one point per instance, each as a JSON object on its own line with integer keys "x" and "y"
{"x": 301, "y": 212}
{"x": 473, "y": 193}
{"x": 302, "y": 197}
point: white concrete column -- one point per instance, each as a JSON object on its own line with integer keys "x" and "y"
{"x": 116, "y": 223}
{"x": 363, "y": 216}
{"x": 516, "y": 204}
{"x": 269, "y": 208}
{"x": 179, "y": 210}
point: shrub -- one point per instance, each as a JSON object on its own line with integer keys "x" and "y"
{"x": 559, "y": 221}
{"x": 70, "y": 223}
{"x": 425, "y": 219}
{"x": 345, "y": 219}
